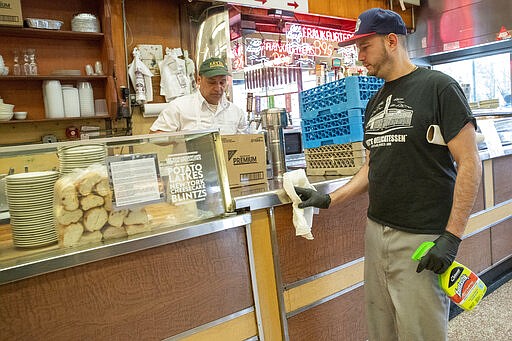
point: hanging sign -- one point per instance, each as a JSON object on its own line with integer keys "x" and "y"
{"x": 287, "y": 5}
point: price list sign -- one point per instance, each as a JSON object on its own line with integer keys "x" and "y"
{"x": 135, "y": 179}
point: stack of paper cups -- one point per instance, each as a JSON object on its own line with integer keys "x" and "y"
{"x": 71, "y": 101}
{"x": 86, "y": 99}
{"x": 53, "y": 102}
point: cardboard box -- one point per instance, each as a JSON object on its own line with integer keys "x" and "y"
{"x": 246, "y": 159}
{"x": 10, "y": 13}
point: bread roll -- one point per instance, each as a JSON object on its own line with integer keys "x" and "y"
{"x": 102, "y": 187}
{"x": 116, "y": 218}
{"x": 112, "y": 232}
{"x": 136, "y": 217}
{"x": 86, "y": 183}
{"x": 95, "y": 218}
{"x": 90, "y": 237}
{"x": 65, "y": 217}
{"x": 108, "y": 202}
{"x": 71, "y": 234}
{"x": 90, "y": 201}
{"x": 66, "y": 195}
{"x": 137, "y": 228}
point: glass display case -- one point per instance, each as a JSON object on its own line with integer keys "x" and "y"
{"x": 102, "y": 197}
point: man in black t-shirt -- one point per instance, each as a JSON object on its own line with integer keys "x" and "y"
{"x": 416, "y": 193}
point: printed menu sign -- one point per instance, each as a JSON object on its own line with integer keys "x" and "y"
{"x": 186, "y": 178}
{"x": 135, "y": 179}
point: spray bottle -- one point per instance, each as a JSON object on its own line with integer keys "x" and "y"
{"x": 460, "y": 284}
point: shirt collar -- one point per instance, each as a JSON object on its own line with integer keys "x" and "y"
{"x": 223, "y": 103}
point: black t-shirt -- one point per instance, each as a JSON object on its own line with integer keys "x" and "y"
{"x": 411, "y": 181}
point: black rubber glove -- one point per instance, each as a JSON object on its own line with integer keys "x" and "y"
{"x": 310, "y": 197}
{"x": 441, "y": 255}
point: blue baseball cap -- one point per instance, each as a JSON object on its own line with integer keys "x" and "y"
{"x": 376, "y": 21}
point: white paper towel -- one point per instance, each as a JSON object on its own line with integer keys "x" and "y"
{"x": 434, "y": 136}
{"x": 302, "y": 217}
{"x": 153, "y": 109}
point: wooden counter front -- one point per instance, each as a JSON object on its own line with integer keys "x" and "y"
{"x": 146, "y": 295}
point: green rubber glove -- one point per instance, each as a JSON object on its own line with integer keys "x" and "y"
{"x": 310, "y": 197}
{"x": 441, "y": 255}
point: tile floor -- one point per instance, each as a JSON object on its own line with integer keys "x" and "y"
{"x": 490, "y": 320}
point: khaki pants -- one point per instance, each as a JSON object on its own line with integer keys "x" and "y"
{"x": 401, "y": 305}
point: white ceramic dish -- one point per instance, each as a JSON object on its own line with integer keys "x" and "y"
{"x": 6, "y": 116}
{"x": 5, "y": 107}
{"x": 20, "y": 115}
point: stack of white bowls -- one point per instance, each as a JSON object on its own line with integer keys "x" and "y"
{"x": 71, "y": 101}
{"x": 85, "y": 22}
{"x": 53, "y": 101}
{"x": 86, "y": 96}
{"x": 6, "y": 111}
{"x": 30, "y": 197}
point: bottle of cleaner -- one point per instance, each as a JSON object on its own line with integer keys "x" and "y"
{"x": 460, "y": 284}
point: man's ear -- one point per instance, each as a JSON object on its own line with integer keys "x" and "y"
{"x": 392, "y": 40}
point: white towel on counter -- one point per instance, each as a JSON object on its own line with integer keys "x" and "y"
{"x": 302, "y": 217}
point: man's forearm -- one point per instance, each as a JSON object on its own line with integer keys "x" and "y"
{"x": 469, "y": 174}
{"x": 357, "y": 185}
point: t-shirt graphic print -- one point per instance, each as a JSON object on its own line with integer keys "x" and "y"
{"x": 388, "y": 116}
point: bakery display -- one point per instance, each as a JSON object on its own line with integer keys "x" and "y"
{"x": 84, "y": 213}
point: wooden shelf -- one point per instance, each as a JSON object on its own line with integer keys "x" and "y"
{"x": 46, "y": 77}
{"x": 46, "y": 34}
{"x": 13, "y": 121}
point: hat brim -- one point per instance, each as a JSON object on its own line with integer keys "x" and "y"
{"x": 213, "y": 73}
{"x": 355, "y": 37}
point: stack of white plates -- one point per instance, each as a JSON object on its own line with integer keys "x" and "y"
{"x": 30, "y": 197}
{"x": 81, "y": 156}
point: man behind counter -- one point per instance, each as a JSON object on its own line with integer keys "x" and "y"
{"x": 205, "y": 109}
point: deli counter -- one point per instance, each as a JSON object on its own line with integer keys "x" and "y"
{"x": 224, "y": 264}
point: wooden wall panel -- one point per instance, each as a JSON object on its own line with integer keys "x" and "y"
{"x": 170, "y": 23}
{"x": 341, "y": 318}
{"x": 147, "y": 295}
{"x": 502, "y": 179}
{"x": 338, "y": 234}
{"x": 352, "y": 9}
{"x": 501, "y": 240}
{"x": 154, "y": 22}
{"x": 475, "y": 251}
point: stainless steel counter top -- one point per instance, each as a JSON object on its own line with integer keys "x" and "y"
{"x": 275, "y": 194}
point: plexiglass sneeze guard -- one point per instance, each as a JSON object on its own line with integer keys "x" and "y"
{"x": 177, "y": 178}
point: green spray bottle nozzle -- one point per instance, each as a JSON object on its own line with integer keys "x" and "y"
{"x": 422, "y": 250}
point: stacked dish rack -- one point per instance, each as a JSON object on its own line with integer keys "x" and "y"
{"x": 332, "y": 120}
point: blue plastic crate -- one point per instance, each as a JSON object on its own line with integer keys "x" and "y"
{"x": 330, "y": 127}
{"x": 343, "y": 94}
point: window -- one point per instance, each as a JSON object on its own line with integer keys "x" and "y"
{"x": 484, "y": 78}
